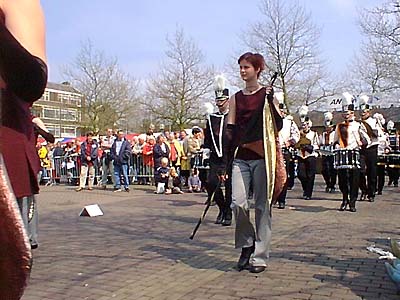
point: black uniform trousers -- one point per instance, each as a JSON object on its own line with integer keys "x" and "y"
{"x": 328, "y": 171}
{"x": 348, "y": 185}
{"x": 223, "y": 201}
{"x": 394, "y": 174}
{"x": 368, "y": 184}
{"x": 307, "y": 167}
{"x": 380, "y": 175}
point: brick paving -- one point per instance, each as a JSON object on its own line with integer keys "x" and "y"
{"x": 140, "y": 249}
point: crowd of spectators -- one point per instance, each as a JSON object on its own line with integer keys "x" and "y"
{"x": 167, "y": 160}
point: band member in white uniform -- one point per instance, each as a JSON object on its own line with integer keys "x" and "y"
{"x": 383, "y": 150}
{"x": 393, "y": 163}
{"x": 369, "y": 153}
{"x": 307, "y": 146}
{"x": 326, "y": 149}
{"x": 348, "y": 136}
{"x": 289, "y": 135}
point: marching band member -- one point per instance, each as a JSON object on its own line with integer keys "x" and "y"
{"x": 289, "y": 135}
{"x": 307, "y": 146}
{"x": 393, "y": 166}
{"x": 348, "y": 136}
{"x": 383, "y": 149}
{"x": 369, "y": 153}
{"x": 326, "y": 149}
{"x": 213, "y": 140}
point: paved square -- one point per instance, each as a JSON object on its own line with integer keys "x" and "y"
{"x": 140, "y": 248}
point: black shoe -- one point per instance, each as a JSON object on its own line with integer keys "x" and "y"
{"x": 342, "y": 207}
{"x": 227, "y": 221}
{"x": 34, "y": 246}
{"x": 281, "y": 205}
{"x": 220, "y": 218}
{"x": 371, "y": 199}
{"x": 127, "y": 190}
{"x": 379, "y": 193}
{"x": 244, "y": 258}
{"x": 327, "y": 190}
{"x": 307, "y": 198}
{"x": 353, "y": 209}
{"x": 257, "y": 269}
{"x": 332, "y": 190}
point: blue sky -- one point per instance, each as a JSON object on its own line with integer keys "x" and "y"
{"x": 135, "y": 31}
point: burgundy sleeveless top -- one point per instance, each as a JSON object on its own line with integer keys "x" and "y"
{"x": 249, "y": 121}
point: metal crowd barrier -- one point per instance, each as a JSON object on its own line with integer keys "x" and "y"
{"x": 66, "y": 169}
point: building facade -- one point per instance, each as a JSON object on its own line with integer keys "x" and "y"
{"x": 60, "y": 108}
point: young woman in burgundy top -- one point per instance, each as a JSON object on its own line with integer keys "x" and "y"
{"x": 23, "y": 78}
{"x": 245, "y": 134}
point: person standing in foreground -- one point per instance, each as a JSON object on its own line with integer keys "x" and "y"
{"x": 23, "y": 78}
{"x": 251, "y": 136}
{"x": 213, "y": 140}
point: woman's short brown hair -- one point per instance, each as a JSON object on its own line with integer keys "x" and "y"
{"x": 255, "y": 59}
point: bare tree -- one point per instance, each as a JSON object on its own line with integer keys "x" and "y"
{"x": 379, "y": 61}
{"x": 176, "y": 94}
{"x": 109, "y": 94}
{"x": 288, "y": 40}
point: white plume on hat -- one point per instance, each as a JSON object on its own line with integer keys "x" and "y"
{"x": 209, "y": 107}
{"x": 363, "y": 99}
{"x": 380, "y": 118}
{"x": 328, "y": 116}
{"x": 280, "y": 97}
{"x": 219, "y": 82}
{"x": 347, "y": 98}
{"x": 390, "y": 125}
{"x": 303, "y": 111}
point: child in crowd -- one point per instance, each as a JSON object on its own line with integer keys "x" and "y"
{"x": 161, "y": 177}
{"x": 194, "y": 182}
{"x": 176, "y": 183}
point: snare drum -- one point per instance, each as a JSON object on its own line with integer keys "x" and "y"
{"x": 393, "y": 160}
{"x": 326, "y": 150}
{"x": 346, "y": 159}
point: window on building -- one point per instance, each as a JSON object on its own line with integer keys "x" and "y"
{"x": 68, "y": 114}
{"x": 75, "y": 100}
{"x": 51, "y": 113}
{"x": 54, "y": 129}
{"x": 68, "y": 131}
{"x": 46, "y": 96}
{"x": 53, "y": 96}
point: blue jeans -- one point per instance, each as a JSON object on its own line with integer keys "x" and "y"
{"x": 118, "y": 169}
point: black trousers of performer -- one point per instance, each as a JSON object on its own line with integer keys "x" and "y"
{"x": 368, "y": 185}
{"x": 348, "y": 185}
{"x": 380, "y": 175}
{"x": 329, "y": 172}
{"x": 290, "y": 169}
{"x": 394, "y": 174}
{"x": 223, "y": 201}
{"x": 306, "y": 173}
{"x": 282, "y": 196}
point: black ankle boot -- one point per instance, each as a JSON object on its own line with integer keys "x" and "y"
{"x": 244, "y": 258}
{"x": 227, "y": 221}
{"x": 220, "y": 217}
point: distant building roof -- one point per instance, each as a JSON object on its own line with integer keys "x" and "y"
{"x": 66, "y": 87}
